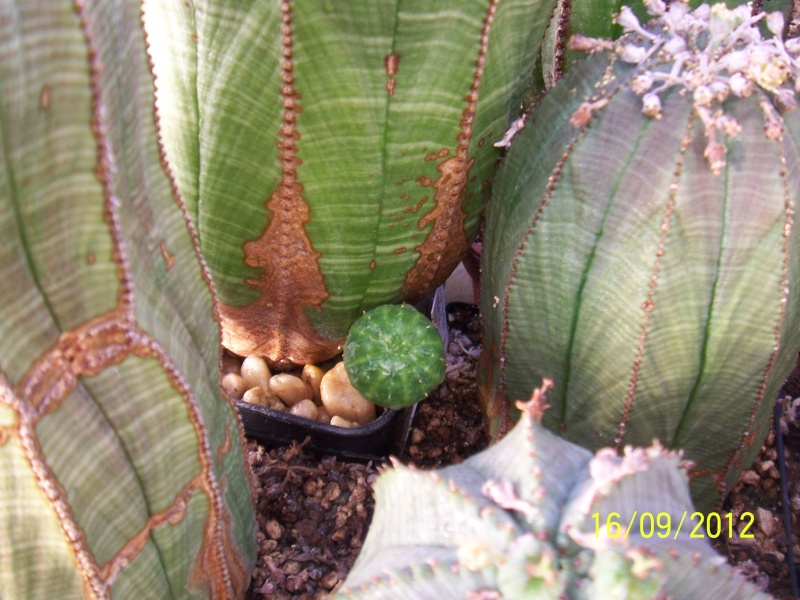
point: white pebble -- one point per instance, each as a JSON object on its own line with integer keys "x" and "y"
{"x": 234, "y": 386}
{"x": 338, "y": 421}
{"x": 290, "y": 389}
{"x": 341, "y": 399}
{"x": 313, "y": 375}
{"x": 306, "y": 409}
{"x": 260, "y": 395}
{"x": 255, "y": 371}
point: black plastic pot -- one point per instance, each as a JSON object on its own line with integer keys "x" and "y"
{"x": 386, "y": 435}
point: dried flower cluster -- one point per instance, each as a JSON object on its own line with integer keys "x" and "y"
{"x": 714, "y": 52}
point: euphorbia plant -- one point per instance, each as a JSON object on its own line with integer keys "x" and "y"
{"x": 539, "y": 518}
{"x": 640, "y": 244}
{"x": 335, "y": 156}
{"x": 121, "y": 470}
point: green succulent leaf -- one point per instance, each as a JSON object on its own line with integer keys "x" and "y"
{"x": 121, "y": 469}
{"x": 349, "y": 165}
{"x": 647, "y": 265}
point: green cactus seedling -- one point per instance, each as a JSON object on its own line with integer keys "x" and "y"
{"x": 537, "y": 517}
{"x": 394, "y": 356}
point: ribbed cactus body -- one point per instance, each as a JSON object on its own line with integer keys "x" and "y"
{"x": 336, "y": 156}
{"x": 660, "y": 296}
{"x": 122, "y": 472}
{"x": 527, "y": 519}
{"x": 394, "y": 356}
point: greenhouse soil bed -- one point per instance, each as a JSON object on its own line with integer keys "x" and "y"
{"x": 314, "y": 510}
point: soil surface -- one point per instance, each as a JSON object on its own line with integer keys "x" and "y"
{"x": 314, "y": 511}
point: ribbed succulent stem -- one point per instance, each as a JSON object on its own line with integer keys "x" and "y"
{"x": 640, "y": 247}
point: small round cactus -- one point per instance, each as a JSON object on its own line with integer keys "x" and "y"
{"x": 394, "y": 356}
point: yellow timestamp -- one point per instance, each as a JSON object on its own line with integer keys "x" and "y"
{"x": 662, "y": 525}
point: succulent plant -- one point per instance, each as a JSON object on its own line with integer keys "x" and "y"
{"x": 535, "y": 516}
{"x": 121, "y": 470}
{"x": 640, "y": 243}
{"x": 349, "y": 167}
{"x": 394, "y": 356}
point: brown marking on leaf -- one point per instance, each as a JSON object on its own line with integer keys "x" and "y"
{"x": 219, "y": 565}
{"x": 275, "y": 325}
{"x": 391, "y": 62}
{"x": 226, "y": 446}
{"x": 481, "y": 142}
{"x": 84, "y": 351}
{"x": 88, "y": 349}
{"x": 563, "y": 30}
{"x": 93, "y": 586}
{"x": 424, "y": 181}
{"x": 648, "y": 305}
{"x": 492, "y": 398}
{"x": 172, "y": 515}
{"x": 415, "y": 207}
{"x": 437, "y": 155}
{"x": 399, "y": 250}
{"x": 205, "y": 272}
{"x": 44, "y": 97}
{"x": 91, "y": 258}
{"x": 104, "y": 169}
{"x": 372, "y": 265}
{"x": 447, "y": 242}
{"x": 169, "y": 259}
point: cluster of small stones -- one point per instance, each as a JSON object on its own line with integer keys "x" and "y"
{"x": 715, "y": 53}
{"x": 313, "y": 393}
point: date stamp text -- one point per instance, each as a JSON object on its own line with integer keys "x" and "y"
{"x": 662, "y": 525}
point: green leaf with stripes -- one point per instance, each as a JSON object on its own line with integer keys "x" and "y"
{"x": 659, "y": 291}
{"x": 336, "y": 156}
{"x": 121, "y": 470}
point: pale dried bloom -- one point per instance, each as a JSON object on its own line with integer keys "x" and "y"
{"x": 729, "y": 125}
{"x": 584, "y": 43}
{"x": 785, "y": 101}
{"x": 720, "y": 90}
{"x": 775, "y": 23}
{"x": 641, "y": 83}
{"x": 715, "y": 155}
{"x": 631, "y": 53}
{"x": 628, "y": 20}
{"x": 651, "y": 105}
{"x": 711, "y": 52}
{"x": 655, "y": 7}
{"x": 741, "y": 86}
{"x": 516, "y": 126}
{"x": 583, "y": 114}
{"x": 703, "y": 96}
